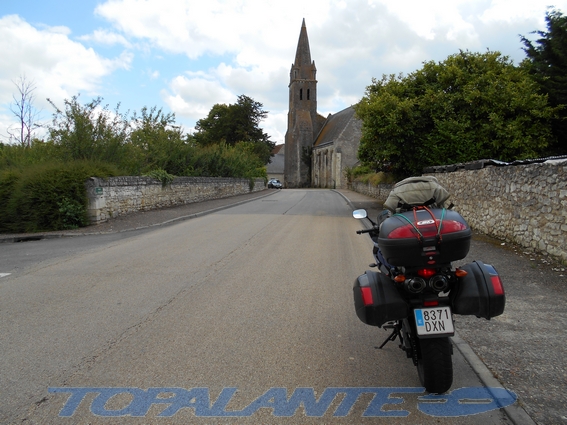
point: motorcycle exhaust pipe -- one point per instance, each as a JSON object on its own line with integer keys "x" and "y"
{"x": 415, "y": 285}
{"x": 439, "y": 283}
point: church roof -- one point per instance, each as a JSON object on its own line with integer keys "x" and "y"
{"x": 334, "y": 127}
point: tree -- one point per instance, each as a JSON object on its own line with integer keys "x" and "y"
{"x": 160, "y": 143}
{"x": 469, "y": 107}
{"x": 25, "y": 112}
{"x": 236, "y": 123}
{"x": 89, "y": 131}
{"x": 547, "y": 61}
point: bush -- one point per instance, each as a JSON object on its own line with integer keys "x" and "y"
{"x": 163, "y": 176}
{"x": 49, "y": 196}
{"x": 366, "y": 175}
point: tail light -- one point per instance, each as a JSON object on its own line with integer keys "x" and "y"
{"x": 426, "y": 273}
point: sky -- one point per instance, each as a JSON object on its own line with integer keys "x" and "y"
{"x": 184, "y": 56}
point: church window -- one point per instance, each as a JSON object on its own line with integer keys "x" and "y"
{"x": 300, "y": 94}
{"x": 307, "y": 94}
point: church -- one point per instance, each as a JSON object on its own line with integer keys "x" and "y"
{"x": 317, "y": 150}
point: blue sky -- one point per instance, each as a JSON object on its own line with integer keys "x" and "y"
{"x": 184, "y": 56}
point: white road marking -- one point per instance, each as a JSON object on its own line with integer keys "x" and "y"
{"x": 4, "y": 274}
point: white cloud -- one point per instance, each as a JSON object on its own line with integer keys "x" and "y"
{"x": 59, "y": 67}
{"x": 106, "y": 37}
{"x": 192, "y": 96}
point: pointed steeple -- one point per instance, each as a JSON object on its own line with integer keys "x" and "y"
{"x": 303, "y": 68}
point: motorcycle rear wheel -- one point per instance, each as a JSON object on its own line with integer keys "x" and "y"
{"x": 435, "y": 365}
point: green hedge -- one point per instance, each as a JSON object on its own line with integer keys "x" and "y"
{"x": 48, "y": 196}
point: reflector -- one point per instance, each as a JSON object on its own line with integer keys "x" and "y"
{"x": 497, "y": 285}
{"x": 367, "y": 295}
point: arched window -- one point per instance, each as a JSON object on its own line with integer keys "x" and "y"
{"x": 300, "y": 94}
{"x": 308, "y": 94}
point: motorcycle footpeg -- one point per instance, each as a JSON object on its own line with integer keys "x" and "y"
{"x": 373, "y": 265}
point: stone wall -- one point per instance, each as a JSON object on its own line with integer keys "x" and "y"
{"x": 116, "y": 196}
{"x": 523, "y": 204}
{"x": 380, "y": 192}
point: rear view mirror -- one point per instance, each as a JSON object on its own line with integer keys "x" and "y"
{"x": 358, "y": 214}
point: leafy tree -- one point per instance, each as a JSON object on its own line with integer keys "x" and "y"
{"x": 469, "y": 107}
{"x": 236, "y": 123}
{"x": 90, "y": 131}
{"x": 159, "y": 143}
{"x": 547, "y": 61}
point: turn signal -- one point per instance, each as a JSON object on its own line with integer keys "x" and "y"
{"x": 400, "y": 278}
{"x": 461, "y": 273}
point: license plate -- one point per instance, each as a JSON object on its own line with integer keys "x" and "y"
{"x": 434, "y": 321}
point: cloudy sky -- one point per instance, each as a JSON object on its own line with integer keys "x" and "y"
{"x": 184, "y": 56}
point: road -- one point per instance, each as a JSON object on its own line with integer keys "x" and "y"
{"x": 236, "y": 310}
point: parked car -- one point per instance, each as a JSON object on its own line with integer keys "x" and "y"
{"x": 274, "y": 184}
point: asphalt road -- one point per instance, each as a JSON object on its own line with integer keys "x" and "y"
{"x": 232, "y": 309}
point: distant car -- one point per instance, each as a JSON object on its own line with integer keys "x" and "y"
{"x": 274, "y": 184}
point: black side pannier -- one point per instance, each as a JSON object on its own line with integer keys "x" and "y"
{"x": 480, "y": 292}
{"x": 424, "y": 237}
{"x": 377, "y": 300}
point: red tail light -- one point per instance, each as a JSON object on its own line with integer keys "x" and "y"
{"x": 432, "y": 303}
{"x": 426, "y": 273}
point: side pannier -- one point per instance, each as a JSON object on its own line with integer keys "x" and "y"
{"x": 377, "y": 300}
{"x": 480, "y": 293}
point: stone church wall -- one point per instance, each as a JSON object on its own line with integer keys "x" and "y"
{"x": 524, "y": 204}
{"x": 116, "y": 196}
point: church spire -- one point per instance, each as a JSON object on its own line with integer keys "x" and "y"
{"x": 303, "y": 68}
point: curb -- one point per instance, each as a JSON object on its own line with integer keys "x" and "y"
{"x": 516, "y": 413}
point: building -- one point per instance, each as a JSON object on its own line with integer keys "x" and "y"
{"x": 318, "y": 150}
{"x": 275, "y": 168}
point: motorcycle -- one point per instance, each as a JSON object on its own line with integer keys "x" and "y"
{"x": 416, "y": 291}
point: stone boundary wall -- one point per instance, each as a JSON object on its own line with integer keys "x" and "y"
{"x": 523, "y": 204}
{"x": 380, "y": 192}
{"x": 109, "y": 198}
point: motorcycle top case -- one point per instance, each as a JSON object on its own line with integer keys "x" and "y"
{"x": 479, "y": 293}
{"x": 424, "y": 238}
{"x": 377, "y": 300}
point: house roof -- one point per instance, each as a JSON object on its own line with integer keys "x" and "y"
{"x": 277, "y": 149}
{"x": 334, "y": 126}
